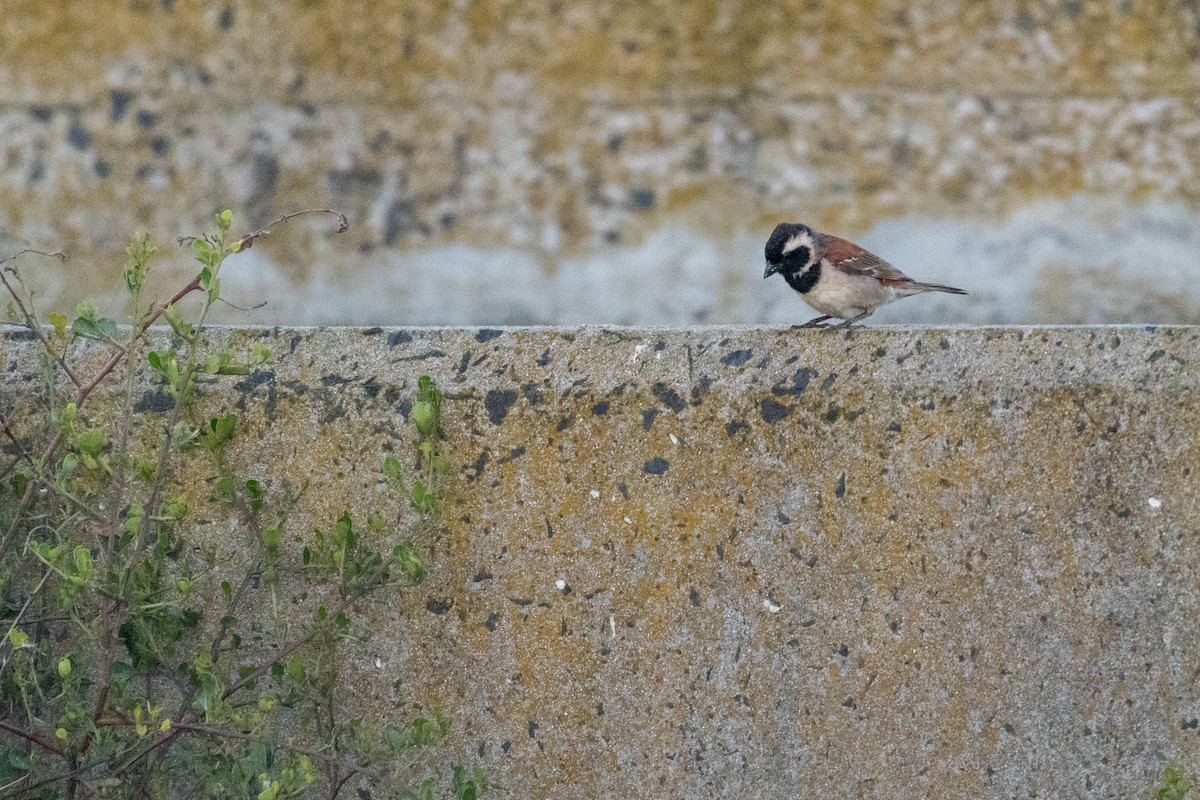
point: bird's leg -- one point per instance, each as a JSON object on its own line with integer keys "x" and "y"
{"x": 852, "y": 320}
{"x": 813, "y": 323}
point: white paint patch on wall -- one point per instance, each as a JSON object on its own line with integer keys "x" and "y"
{"x": 1078, "y": 260}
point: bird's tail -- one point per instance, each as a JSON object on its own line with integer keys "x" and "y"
{"x": 933, "y": 287}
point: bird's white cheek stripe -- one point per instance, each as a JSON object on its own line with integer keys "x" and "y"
{"x": 799, "y": 240}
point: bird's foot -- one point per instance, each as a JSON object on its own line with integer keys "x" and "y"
{"x": 847, "y": 324}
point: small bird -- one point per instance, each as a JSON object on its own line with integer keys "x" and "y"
{"x": 837, "y": 277}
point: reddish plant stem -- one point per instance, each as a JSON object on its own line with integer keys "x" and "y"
{"x": 31, "y": 737}
{"x": 30, "y": 322}
{"x": 81, "y": 395}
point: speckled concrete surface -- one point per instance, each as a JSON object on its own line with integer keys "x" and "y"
{"x": 894, "y": 563}
{"x": 516, "y": 148}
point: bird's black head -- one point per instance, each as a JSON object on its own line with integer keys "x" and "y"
{"x": 791, "y": 250}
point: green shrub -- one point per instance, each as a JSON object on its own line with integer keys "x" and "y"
{"x": 126, "y": 670}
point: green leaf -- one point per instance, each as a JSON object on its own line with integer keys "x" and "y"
{"x": 255, "y": 492}
{"x": 176, "y": 508}
{"x": 123, "y": 673}
{"x": 343, "y": 532}
{"x": 422, "y": 732}
{"x": 422, "y": 417}
{"x": 67, "y": 466}
{"x": 222, "y": 363}
{"x": 429, "y": 393}
{"x": 83, "y": 562}
{"x": 210, "y": 692}
{"x": 296, "y": 669}
{"x": 204, "y": 253}
{"x": 391, "y": 469}
{"x": 138, "y": 266}
{"x": 139, "y": 643}
{"x": 223, "y": 426}
{"x": 465, "y": 789}
{"x": 410, "y": 564}
{"x": 103, "y": 329}
{"x": 17, "y": 638}
{"x": 423, "y": 500}
{"x": 133, "y": 519}
{"x": 175, "y": 320}
{"x": 183, "y": 436}
{"x": 393, "y": 738}
{"x": 90, "y": 441}
{"x": 220, "y": 430}
{"x": 1175, "y": 785}
{"x": 225, "y": 219}
{"x": 225, "y": 489}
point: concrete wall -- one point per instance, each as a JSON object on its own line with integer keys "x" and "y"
{"x": 568, "y": 162}
{"x": 891, "y": 563}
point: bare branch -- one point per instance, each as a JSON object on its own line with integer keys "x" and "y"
{"x": 287, "y": 651}
{"x": 31, "y": 737}
{"x": 21, "y": 613}
{"x": 247, "y": 240}
{"x": 254, "y": 307}
{"x": 30, "y": 322}
{"x": 59, "y": 254}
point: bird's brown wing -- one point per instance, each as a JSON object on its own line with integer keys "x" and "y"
{"x": 853, "y": 260}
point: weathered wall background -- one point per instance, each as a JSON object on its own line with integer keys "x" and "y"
{"x": 517, "y": 161}
{"x": 886, "y": 564}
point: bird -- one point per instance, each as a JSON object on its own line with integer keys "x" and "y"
{"x": 837, "y": 277}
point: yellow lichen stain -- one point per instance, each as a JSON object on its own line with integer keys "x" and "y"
{"x": 1061, "y": 178}
{"x": 683, "y": 197}
{"x": 390, "y": 48}
{"x": 1030, "y": 457}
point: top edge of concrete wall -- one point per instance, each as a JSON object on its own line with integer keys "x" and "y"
{"x": 1148, "y": 326}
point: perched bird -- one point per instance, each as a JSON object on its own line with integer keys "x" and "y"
{"x": 837, "y": 277}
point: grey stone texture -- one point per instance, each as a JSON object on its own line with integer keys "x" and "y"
{"x": 566, "y": 162}
{"x": 762, "y": 563}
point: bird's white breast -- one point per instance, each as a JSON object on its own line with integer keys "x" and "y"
{"x": 843, "y": 295}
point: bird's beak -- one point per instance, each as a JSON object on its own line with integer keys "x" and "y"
{"x": 771, "y": 270}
